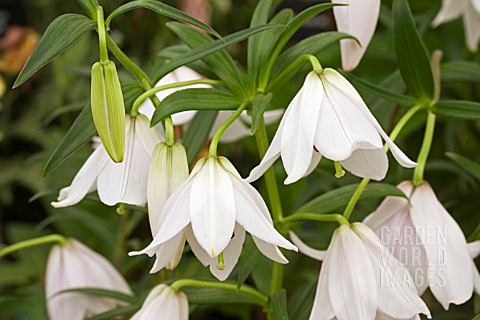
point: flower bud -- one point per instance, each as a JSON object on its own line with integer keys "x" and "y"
{"x": 108, "y": 109}
{"x": 163, "y": 303}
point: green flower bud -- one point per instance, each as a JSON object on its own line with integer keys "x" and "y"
{"x": 108, "y": 109}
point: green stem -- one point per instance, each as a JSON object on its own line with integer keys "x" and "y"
{"x": 425, "y": 150}
{"x": 293, "y": 67}
{"x": 129, "y": 64}
{"x": 277, "y": 277}
{"x": 102, "y": 41}
{"x": 354, "y": 199}
{"x": 31, "y": 243}
{"x": 151, "y": 92}
{"x": 212, "y": 151}
{"x": 259, "y": 297}
{"x": 270, "y": 178}
{"x": 315, "y": 217}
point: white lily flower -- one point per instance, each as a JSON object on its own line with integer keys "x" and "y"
{"x": 470, "y": 10}
{"x": 239, "y": 129}
{"x": 124, "y": 182}
{"x": 361, "y": 280}
{"x": 428, "y": 241}
{"x": 169, "y": 169}
{"x": 359, "y": 19}
{"x": 163, "y": 303}
{"x": 328, "y": 118}
{"x": 73, "y": 266}
{"x": 213, "y": 204}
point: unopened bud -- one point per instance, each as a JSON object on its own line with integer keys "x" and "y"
{"x": 108, "y": 109}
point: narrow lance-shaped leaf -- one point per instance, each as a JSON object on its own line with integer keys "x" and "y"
{"x": 162, "y": 9}
{"x": 468, "y": 165}
{"x": 208, "y": 49}
{"x": 260, "y": 103}
{"x": 198, "y": 132}
{"x": 412, "y": 56}
{"x": 90, "y": 7}
{"x": 195, "y": 99}
{"x": 458, "y": 109}
{"x": 337, "y": 199}
{"x": 99, "y": 292}
{"x": 461, "y": 71}
{"x": 279, "y": 304}
{"x": 60, "y": 34}
{"x": 81, "y": 131}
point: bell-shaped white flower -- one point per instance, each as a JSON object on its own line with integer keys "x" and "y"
{"x": 359, "y": 19}
{"x": 72, "y": 265}
{"x": 163, "y": 303}
{"x": 361, "y": 280}
{"x": 212, "y": 209}
{"x": 124, "y": 182}
{"x": 169, "y": 169}
{"x": 470, "y": 10}
{"x": 328, "y": 118}
{"x": 423, "y": 236}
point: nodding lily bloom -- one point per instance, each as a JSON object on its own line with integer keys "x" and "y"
{"x": 124, "y": 182}
{"x": 328, "y": 118}
{"x": 428, "y": 241}
{"x": 470, "y": 10}
{"x": 361, "y": 280}
{"x": 212, "y": 209}
{"x": 359, "y": 19}
{"x": 72, "y": 265}
{"x": 163, "y": 303}
{"x": 237, "y": 130}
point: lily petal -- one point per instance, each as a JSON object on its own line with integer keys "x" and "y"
{"x": 299, "y": 131}
{"x": 84, "y": 181}
{"x": 474, "y": 248}
{"x": 270, "y": 251}
{"x": 397, "y": 294}
{"x": 450, "y": 10}
{"x": 471, "y": 22}
{"x": 366, "y": 163}
{"x": 352, "y": 292}
{"x": 213, "y": 215}
{"x": 358, "y": 18}
{"x": 306, "y": 250}
{"x": 322, "y": 306}
{"x": 169, "y": 253}
{"x": 450, "y": 268}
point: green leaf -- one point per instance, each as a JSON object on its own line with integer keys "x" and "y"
{"x": 81, "y": 131}
{"x": 221, "y": 63}
{"x": 380, "y": 91}
{"x": 207, "y": 295}
{"x": 90, "y": 7}
{"x": 279, "y": 304}
{"x": 198, "y": 132}
{"x": 248, "y": 260}
{"x": 259, "y": 17}
{"x": 466, "y": 164}
{"x": 162, "y": 9}
{"x": 115, "y": 313}
{"x": 337, "y": 199}
{"x": 195, "y": 99}
{"x": 311, "y": 45}
{"x": 260, "y": 103}
{"x": 461, "y": 71}
{"x": 477, "y": 317}
{"x": 458, "y": 109}
{"x": 208, "y": 49}
{"x": 60, "y": 34}
{"x": 120, "y": 296}
{"x": 412, "y": 57}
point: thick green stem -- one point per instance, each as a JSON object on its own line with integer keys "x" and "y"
{"x": 102, "y": 37}
{"x": 259, "y": 297}
{"x": 334, "y": 217}
{"x": 292, "y": 68}
{"x": 151, "y": 92}
{"x": 270, "y": 178}
{"x": 31, "y": 243}
{"x": 277, "y": 277}
{"x": 212, "y": 151}
{"x": 425, "y": 150}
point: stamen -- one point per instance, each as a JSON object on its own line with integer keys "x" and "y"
{"x": 339, "y": 172}
{"x": 121, "y": 208}
{"x": 221, "y": 263}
